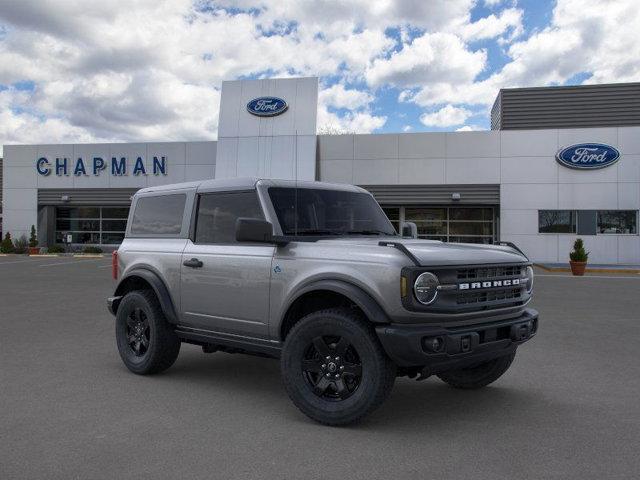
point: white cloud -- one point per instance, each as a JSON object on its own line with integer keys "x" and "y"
{"x": 338, "y": 96}
{"x": 407, "y": 128}
{"x": 151, "y": 69}
{"x": 509, "y": 20}
{"x": 432, "y": 57}
{"x": 469, "y": 128}
{"x": 447, "y": 116}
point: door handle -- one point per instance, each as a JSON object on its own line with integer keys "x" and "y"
{"x": 193, "y": 263}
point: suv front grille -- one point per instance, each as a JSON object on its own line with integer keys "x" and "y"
{"x": 489, "y": 272}
{"x": 489, "y": 296}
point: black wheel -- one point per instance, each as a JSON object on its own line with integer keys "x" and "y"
{"x": 146, "y": 342}
{"x": 478, "y": 376}
{"x": 334, "y": 368}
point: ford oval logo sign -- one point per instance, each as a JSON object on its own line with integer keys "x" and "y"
{"x": 588, "y": 156}
{"x": 267, "y": 106}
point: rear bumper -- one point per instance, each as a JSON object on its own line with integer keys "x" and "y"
{"x": 440, "y": 348}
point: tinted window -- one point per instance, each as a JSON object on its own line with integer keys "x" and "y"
{"x": 159, "y": 215}
{"x": 617, "y": 221}
{"x": 556, "y": 221}
{"x": 218, "y": 212}
{"x": 328, "y": 212}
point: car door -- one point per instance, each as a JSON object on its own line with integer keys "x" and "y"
{"x": 225, "y": 284}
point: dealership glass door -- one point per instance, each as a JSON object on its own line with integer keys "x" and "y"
{"x": 91, "y": 225}
{"x": 448, "y": 224}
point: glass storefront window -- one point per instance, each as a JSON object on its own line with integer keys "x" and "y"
{"x": 449, "y": 224}
{"x": 556, "y": 221}
{"x": 618, "y": 221}
{"x": 91, "y": 225}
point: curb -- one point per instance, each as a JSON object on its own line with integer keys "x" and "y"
{"x": 88, "y": 255}
{"x": 589, "y": 269}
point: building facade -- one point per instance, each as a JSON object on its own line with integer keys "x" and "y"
{"x": 480, "y": 187}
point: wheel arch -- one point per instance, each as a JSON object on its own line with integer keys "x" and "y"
{"x": 329, "y": 293}
{"x": 145, "y": 279}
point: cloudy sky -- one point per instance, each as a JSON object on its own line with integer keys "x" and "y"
{"x": 126, "y": 70}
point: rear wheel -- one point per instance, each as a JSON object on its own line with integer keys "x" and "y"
{"x": 478, "y": 376}
{"x": 146, "y": 341}
{"x": 334, "y": 368}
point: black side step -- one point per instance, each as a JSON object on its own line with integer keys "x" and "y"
{"x": 403, "y": 249}
{"x": 229, "y": 342}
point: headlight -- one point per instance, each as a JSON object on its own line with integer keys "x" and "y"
{"x": 529, "y": 276}
{"x": 426, "y": 288}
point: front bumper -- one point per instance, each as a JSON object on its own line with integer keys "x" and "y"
{"x": 455, "y": 347}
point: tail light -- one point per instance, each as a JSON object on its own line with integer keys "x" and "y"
{"x": 114, "y": 264}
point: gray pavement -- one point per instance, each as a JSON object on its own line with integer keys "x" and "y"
{"x": 568, "y": 408}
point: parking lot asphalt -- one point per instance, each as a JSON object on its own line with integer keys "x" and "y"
{"x": 569, "y": 407}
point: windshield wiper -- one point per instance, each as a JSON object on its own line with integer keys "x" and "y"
{"x": 369, "y": 232}
{"x": 315, "y": 231}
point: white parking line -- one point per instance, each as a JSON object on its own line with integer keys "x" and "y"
{"x": 20, "y": 261}
{"x": 70, "y": 262}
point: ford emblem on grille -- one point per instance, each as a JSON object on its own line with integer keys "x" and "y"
{"x": 267, "y": 106}
{"x": 588, "y": 156}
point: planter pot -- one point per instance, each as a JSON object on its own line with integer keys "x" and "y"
{"x": 34, "y": 250}
{"x": 578, "y": 268}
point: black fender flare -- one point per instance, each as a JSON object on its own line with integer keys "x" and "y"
{"x": 158, "y": 286}
{"x": 369, "y": 306}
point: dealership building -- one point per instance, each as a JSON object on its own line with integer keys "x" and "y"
{"x": 559, "y": 163}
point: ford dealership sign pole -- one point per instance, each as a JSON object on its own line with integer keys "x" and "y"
{"x": 267, "y": 106}
{"x": 588, "y": 156}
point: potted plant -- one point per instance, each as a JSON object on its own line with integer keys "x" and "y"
{"x": 33, "y": 242}
{"x": 7, "y": 244}
{"x": 578, "y": 258}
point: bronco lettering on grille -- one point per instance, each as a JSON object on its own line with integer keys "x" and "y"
{"x": 490, "y": 284}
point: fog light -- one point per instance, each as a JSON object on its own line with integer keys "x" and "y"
{"x": 434, "y": 344}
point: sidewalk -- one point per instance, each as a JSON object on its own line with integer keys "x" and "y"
{"x": 591, "y": 268}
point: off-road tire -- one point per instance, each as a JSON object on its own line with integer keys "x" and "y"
{"x": 163, "y": 344}
{"x": 377, "y": 375}
{"x": 478, "y": 376}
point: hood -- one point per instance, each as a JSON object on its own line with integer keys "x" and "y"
{"x": 436, "y": 253}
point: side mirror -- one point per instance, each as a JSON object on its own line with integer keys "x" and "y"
{"x": 409, "y": 229}
{"x": 254, "y": 230}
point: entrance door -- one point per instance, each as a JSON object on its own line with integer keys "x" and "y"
{"x": 225, "y": 284}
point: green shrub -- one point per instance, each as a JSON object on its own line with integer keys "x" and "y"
{"x": 55, "y": 249}
{"x": 33, "y": 238}
{"x": 7, "y": 244}
{"x": 21, "y": 244}
{"x": 579, "y": 254}
{"x": 92, "y": 250}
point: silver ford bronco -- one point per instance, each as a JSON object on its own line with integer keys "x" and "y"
{"x": 314, "y": 274}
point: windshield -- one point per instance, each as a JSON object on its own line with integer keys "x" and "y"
{"x": 328, "y": 212}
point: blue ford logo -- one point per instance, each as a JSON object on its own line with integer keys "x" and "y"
{"x": 588, "y": 156}
{"x": 267, "y": 106}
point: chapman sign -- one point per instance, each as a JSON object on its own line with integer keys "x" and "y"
{"x": 96, "y": 165}
{"x": 588, "y": 156}
{"x": 267, "y": 106}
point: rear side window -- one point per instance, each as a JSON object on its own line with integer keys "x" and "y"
{"x": 159, "y": 215}
{"x": 218, "y": 212}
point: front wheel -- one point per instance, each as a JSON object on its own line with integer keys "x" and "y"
{"x": 146, "y": 341}
{"x": 334, "y": 368}
{"x": 478, "y": 376}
